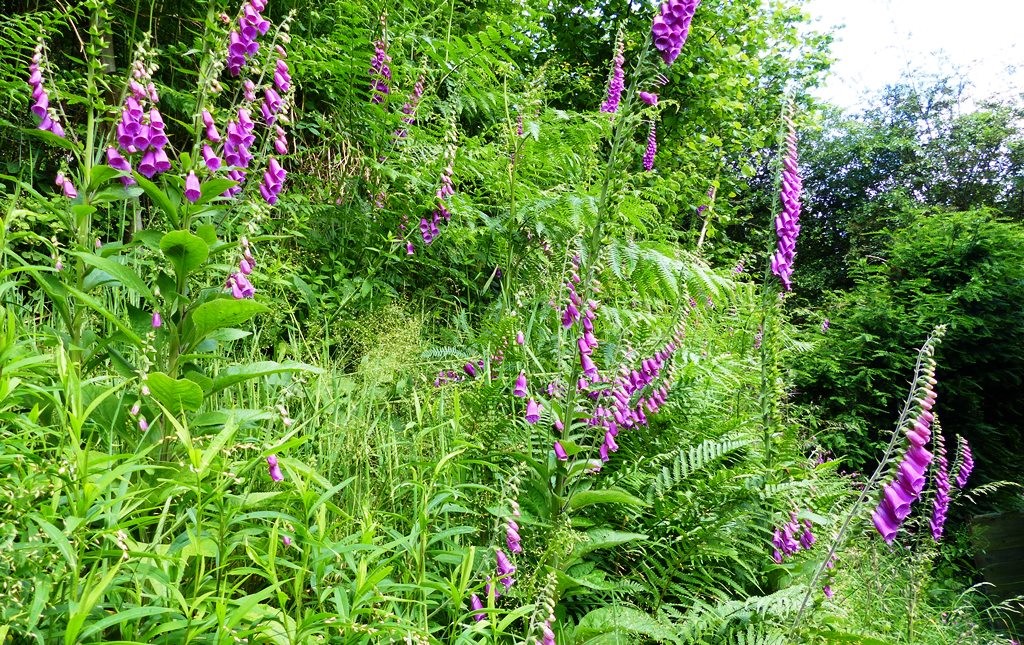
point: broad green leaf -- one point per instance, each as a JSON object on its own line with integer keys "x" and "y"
{"x": 159, "y": 198}
{"x": 149, "y": 238}
{"x": 229, "y": 334}
{"x": 213, "y": 188}
{"x": 604, "y": 496}
{"x": 116, "y": 193}
{"x": 102, "y": 174}
{"x": 220, "y": 313}
{"x": 237, "y": 373}
{"x": 208, "y": 232}
{"x": 186, "y": 251}
{"x": 119, "y": 272}
{"x": 49, "y": 138}
{"x": 177, "y": 395}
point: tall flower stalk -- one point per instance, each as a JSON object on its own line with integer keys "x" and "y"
{"x": 787, "y": 225}
{"x": 616, "y": 79}
{"x": 911, "y": 409}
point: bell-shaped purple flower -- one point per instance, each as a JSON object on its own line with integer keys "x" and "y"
{"x": 211, "y": 159}
{"x": 560, "y": 453}
{"x": 512, "y": 538}
{"x": 192, "y": 191}
{"x": 476, "y": 604}
{"x": 648, "y": 98}
{"x": 520, "y": 387}
{"x": 274, "y": 468}
{"x": 532, "y": 411}
{"x": 505, "y": 569}
{"x": 885, "y": 524}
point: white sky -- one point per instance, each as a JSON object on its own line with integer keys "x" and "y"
{"x": 884, "y": 38}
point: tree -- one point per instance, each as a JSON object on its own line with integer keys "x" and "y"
{"x": 965, "y": 269}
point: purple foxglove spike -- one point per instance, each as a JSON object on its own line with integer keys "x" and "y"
{"x": 520, "y": 387}
{"x": 532, "y": 411}
{"x": 786, "y": 223}
{"x": 671, "y": 27}
{"x": 652, "y": 148}
{"x": 615, "y": 81}
{"x": 192, "y": 191}
{"x": 966, "y": 464}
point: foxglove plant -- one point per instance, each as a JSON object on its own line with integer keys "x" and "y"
{"x": 786, "y": 543}
{"x": 652, "y": 148}
{"x": 409, "y": 108}
{"x": 966, "y": 464}
{"x": 900, "y": 493}
{"x": 616, "y": 79}
{"x": 380, "y": 73}
{"x": 940, "y": 505}
{"x": 430, "y": 228}
{"x": 787, "y": 225}
{"x": 914, "y": 423}
{"x": 242, "y": 44}
{"x": 671, "y": 27}
{"x": 48, "y": 119}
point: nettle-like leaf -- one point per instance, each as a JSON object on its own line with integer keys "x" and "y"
{"x": 221, "y": 313}
{"x": 186, "y": 252}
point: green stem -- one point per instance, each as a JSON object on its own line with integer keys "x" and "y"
{"x": 620, "y": 130}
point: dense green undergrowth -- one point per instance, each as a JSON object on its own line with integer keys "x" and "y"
{"x": 475, "y": 371}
